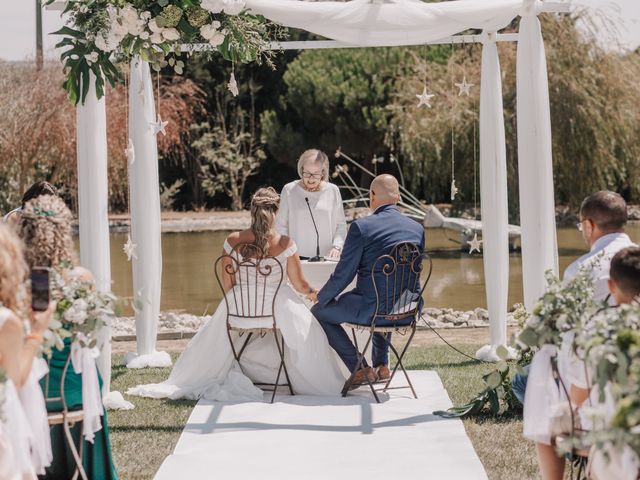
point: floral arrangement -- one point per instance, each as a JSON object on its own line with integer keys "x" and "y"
{"x": 101, "y": 32}
{"x": 611, "y": 344}
{"x": 80, "y": 314}
{"x": 559, "y": 310}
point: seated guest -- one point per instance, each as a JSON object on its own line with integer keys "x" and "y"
{"x": 624, "y": 276}
{"x": 368, "y": 239}
{"x": 23, "y": 449}
{"x": 35, "y": 190}
{"x": 294, "y": 219}
{"x": 603, "y": 216}
{"x": 45, "y": 226}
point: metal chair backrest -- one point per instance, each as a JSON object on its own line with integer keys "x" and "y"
{"x": 397, "y": 284}
{"x": 257, "y": 280}
{"x": 52, "y": 401}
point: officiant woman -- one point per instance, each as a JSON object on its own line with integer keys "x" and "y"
{"x": 313, "y": 198}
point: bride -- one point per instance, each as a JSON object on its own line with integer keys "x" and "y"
{"x": 207, "y": 369}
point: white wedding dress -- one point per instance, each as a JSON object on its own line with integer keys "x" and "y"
{"x": 207, "y": 369}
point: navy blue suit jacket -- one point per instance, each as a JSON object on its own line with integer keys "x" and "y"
{"x": 368, "y": 238}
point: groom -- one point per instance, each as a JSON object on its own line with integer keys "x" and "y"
{"x": 368, "y": 238}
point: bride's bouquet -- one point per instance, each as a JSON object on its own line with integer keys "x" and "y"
{"x": 81, "y": 312}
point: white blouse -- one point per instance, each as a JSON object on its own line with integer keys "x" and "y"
{"x": 294, "y": 219}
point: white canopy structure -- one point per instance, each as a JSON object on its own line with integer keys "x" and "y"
{"x": 359, "y": 23}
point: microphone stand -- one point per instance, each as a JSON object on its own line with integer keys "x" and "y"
{"x": 317, "y": 258}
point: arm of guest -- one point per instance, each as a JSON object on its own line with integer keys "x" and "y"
{"x": 347, "y": 267}
{"x": 282, "y": 220}
{"x": 341, "y": 222}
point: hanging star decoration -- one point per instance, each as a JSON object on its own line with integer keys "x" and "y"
{"x": 158, "y": 126}
{"x": 130, "y": 152}
{"x": 454, "y": 189}
{"x": 130, "y": 249}
{"x": 464, "y": 87}
{"x": 475, "y": 244}
{"x": 425, "y": 98}
{"x": 233, "y": 85}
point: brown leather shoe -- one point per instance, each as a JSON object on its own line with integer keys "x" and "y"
{"x": 383, "y": 373}
{"x": 362, "y": 375}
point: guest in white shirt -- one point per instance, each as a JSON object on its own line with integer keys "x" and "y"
{"x": 313, "y": 191}
{"x": 603, "y": 216}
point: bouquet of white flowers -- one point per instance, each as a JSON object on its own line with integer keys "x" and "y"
{"x": 80, "y": 314}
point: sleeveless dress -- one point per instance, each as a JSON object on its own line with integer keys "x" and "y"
{"x": 16, "y": 437}
{"x": 206, "y": 369}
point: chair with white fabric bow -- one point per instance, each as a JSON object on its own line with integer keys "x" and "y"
{"x": 65, "y": 417}
{"x": 397, "y": 282}
{"x": 250, "y": 304}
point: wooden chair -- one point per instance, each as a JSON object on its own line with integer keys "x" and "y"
{"x": 396, "y": 282}
{"x": 249, "y": 310}
{"x": 67, "y": 418}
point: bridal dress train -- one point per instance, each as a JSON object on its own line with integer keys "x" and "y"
{"x": 207, "y": 369}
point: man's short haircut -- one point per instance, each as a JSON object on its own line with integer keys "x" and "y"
{"x": 625, "y": 270}
{"x": 607, "y": 210}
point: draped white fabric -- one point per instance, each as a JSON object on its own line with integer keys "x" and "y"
{"x": 83, "y": 360}
{"x": 93, "y": 206}
{"x": 395, "y": 22}
{"x": 145, "y": 218}
{"x": 535, "y": 169}
{"x": 493, "y": 197}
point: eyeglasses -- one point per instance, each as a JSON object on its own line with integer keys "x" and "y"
{"x": 315, "y": 176}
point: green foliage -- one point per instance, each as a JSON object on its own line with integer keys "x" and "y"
{"x": 105, "y": 31}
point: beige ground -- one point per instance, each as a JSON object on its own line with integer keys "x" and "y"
{"x": 460, "y": 336}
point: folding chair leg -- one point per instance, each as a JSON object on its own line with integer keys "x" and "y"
{"x": 360, "y": 365}
{"x": 74, "y": 451}
{"x": 283, "y": 364}
{"x": 399, "y": 363}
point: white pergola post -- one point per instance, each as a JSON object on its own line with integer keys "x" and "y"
{"x": 144, "y": 196}
{"x": 535, "y": 169}
{"x": 493, "y": 198}
{"x": 93, "y": 205}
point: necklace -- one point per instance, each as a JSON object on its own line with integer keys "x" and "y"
{"x": 304, "y": 187}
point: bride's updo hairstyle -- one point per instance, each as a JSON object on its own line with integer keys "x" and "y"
{"x": 45, "y": 228}
{"x": 264, "y": 208}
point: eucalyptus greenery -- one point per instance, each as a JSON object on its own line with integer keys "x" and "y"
{"x": 102, "y": 32}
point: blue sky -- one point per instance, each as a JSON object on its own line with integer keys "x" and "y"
{"x": 17, "y": 25}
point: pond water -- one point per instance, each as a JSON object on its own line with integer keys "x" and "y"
{"x": 189, "y": 284}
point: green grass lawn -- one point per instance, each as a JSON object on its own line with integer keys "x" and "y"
{"x": 143, "y": 437}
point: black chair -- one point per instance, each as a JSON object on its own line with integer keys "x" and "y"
{"x": 396, "y": 282}
{"x": 67, "y": 418}
{"x": 249, "y": 311}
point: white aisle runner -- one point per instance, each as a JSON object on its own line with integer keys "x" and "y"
{"x": 309, "y": 438}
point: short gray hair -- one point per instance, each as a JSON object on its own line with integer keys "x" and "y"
{"x": 314, "y": 156}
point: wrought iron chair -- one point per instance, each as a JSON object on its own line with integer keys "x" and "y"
{"x": 397, "y": 284}
{"x": 67, "y": 418}
{"x": 249, "y": 311}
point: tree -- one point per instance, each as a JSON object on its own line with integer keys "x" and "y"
{"x": 229, "y": 156}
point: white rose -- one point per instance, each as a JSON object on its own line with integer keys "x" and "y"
{"x": 129, "y": 14}
{"x": 91, "y": 57}
{"x": 153, "y": 26}
{"x": 77, "y": 312}
{"x": 233, "y": 7}
{"x": 217, "y": 39}
{"x": 207, "y": 31}
{"x": 144, "y": 35}
{"x": 171, "y": 34}
{"x": 214, "y": 6}
{"x": 156, "y": 37}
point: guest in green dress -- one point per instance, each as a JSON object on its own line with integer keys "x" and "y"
{"x": 45, "y": 227}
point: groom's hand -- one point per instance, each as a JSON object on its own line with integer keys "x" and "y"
{"x": 313, "y": 295}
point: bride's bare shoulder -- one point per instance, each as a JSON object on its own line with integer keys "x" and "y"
{"x": 244, "y": 236}
{"x": 285, "y": 242}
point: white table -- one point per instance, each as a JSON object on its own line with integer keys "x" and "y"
{"x": 317, "y": 273}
